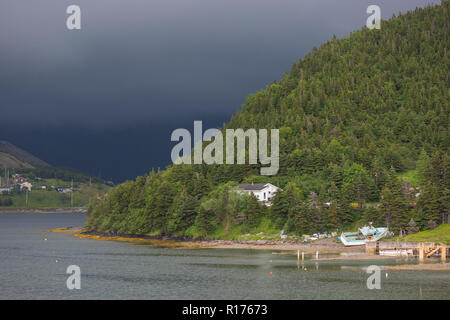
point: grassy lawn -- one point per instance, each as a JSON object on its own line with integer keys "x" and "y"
{"x": 412, "y": 176}
{"x": 441, "y": 235}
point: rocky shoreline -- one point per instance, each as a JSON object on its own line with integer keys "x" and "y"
{"x": 288, "y": 247}
{"x": 164, "y": 240}
{"x": 322, "y": 246}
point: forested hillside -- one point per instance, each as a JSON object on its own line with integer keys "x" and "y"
{"x": 356, "y": 116}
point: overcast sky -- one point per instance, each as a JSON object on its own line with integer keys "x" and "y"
{"x": 141, "y": 62}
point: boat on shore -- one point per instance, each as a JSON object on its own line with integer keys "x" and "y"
{"x": 364, "y": 235}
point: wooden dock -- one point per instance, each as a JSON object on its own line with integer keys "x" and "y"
{"x": 420, "y": 250}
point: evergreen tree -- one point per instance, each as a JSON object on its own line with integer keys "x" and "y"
{"x": 422, "y": 166}
{"x": 427, "y": 208}
{"x": 282, "y": 202}
{"x": 345, "y": 210}
{"x": 333, "y": 217}
{"x": 254, "y": 212}
{"x": 203, "y": 222}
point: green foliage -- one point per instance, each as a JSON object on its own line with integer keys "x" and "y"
{"x": 394, "y": 207}
{"x": 433, "y": 205}
{"x": 439, "y": 235}
{"x": 5, "y": 201}
{"x": 412, "y": 176}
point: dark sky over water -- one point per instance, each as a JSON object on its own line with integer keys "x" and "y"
{"x": 104, "y": 99}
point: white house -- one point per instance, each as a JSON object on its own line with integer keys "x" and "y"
{"x": 263, "y": 191}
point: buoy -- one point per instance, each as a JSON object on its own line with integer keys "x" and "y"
{"x": 45, "y": 239}
{"x": 57, "y": 260}
{"x": 270, "y": 272}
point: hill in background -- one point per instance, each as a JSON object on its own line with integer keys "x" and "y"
{"x": 355, "y": 115}
{"x": 14, "y": 157}
{"x": 51, "y": 187}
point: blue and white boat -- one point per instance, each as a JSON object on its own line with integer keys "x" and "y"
{"x": 364, "y": 235}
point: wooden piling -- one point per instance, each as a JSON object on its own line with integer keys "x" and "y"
{"x": 421, "y": 253}
{"x": 443, "y": 254}
{"x": 317, "y": 255}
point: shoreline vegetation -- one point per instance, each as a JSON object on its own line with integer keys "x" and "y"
{"x": 440, "y": 234}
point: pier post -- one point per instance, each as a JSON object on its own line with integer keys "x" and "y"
{"x": 298, "y": 256}
{"x": 421, "y": 251}
{"x": 303, "y": 256}
{"x": 443, "y": 253}
{"x": 317, "y": 255}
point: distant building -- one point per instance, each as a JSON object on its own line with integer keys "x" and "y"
{"x": 264, "y": 192}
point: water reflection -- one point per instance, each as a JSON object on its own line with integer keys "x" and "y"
{"x": 116, "y": 270}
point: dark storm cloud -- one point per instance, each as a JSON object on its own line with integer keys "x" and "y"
{"x": 105, "y": 99}
{"x": 151, "y": 61}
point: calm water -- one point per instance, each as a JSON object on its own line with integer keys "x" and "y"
{"x": 118, "y": 270}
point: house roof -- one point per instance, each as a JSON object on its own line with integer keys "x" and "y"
{"x": 252, "y": 186}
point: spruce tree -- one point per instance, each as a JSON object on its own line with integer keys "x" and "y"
{"x": 427, "y": 208}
